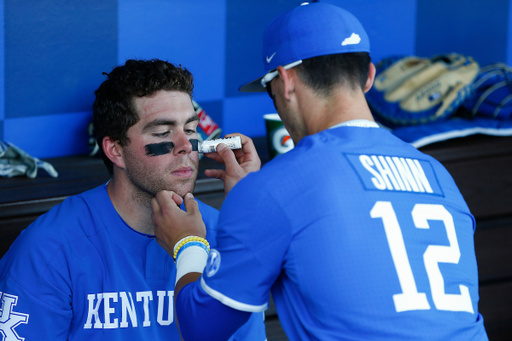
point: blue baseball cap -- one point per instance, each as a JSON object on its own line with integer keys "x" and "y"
{"x": 310, "y": 30}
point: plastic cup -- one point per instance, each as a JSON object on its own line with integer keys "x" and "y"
{"x": 278, "y": 138}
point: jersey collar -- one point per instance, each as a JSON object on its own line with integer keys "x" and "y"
{"x": 356, "y": 123}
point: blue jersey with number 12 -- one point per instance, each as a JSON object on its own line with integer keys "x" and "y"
{"x": 358, "y": 235}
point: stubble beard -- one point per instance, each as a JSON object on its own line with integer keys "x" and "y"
{"x": 293, "y": 126}
{"x": 146, "y": 183}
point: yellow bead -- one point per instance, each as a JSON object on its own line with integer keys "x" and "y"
{"x": 189, "y": 239}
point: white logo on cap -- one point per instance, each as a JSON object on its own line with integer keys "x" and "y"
{"x": 270, "y": 58}
{"x": 354, "y": 39}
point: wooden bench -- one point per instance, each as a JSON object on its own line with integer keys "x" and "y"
{"x": 480, "y": 165}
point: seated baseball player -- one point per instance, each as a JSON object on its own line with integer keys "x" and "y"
{"x": 90, "y": 268}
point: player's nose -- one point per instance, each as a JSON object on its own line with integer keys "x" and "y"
{"x": 182, "y": 144}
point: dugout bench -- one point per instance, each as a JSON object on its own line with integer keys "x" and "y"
{"x": 481, "y": 166}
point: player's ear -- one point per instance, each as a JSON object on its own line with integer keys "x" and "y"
{"x": 114, "y": 151}
{"x": 288, "y": 78}
{"x": 371, "y": 77}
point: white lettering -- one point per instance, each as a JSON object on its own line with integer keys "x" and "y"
{"x": 377, "y": 180}
{"x": 122, "y": 303}
{"x": 127, "y": 308}
{"x": 385, "y": 172}
{"x": 405, "y": 174}
{"x": 93, "y": 311}
{"x": 10, "y": 319}
{"x": 161, "y": 303}
{"x": 146, "y": 296}
{"x": 395, "y": 173}
{"x": 419, "y": 175}
{"x": 108, "y": 310}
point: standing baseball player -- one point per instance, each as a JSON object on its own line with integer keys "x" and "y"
{"x": 90, "y": 268}
{"x": 358, "y": 235}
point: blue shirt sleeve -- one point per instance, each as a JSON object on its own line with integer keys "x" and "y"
{"x": 218, "y": 321}
{"x": 252, "y": 241}
{"x": 254, "y": 328}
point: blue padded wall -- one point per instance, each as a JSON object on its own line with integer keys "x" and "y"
{"x": 473, "y": 27}
{"x": 54, "y": 51}
{"x": 246, "y": 23}
{"x": 54, "y": 54}
{"x": 191, "y": 33}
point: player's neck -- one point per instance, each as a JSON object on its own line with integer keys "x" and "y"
{"x": 321, "y": 113}
{"x": 133, "y": 206}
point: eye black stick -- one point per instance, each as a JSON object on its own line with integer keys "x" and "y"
{"x": 156, "y": 149}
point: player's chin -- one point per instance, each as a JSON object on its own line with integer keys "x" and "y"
{"x": 183, "y": 186}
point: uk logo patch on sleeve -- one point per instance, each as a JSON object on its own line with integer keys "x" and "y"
{"x": 213, "y": 263}
{"x": 9, "y": 319}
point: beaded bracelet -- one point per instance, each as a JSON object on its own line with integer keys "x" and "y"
{"x": 191, "y": 258}
{"x": 192, "y": 243}
{"x": 186, "y": 240}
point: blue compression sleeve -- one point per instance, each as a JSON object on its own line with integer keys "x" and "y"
{"x": 202, "y": 317}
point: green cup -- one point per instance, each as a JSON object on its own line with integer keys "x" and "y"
{"x": 278, "y": 138}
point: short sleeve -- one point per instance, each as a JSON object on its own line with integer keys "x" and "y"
{"x": 26, "y": 315}
{"x": 252, "y": 240}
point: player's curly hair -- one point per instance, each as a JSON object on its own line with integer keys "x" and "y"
{"x": 114, "y": 111}
{"x": 323, "y": 73}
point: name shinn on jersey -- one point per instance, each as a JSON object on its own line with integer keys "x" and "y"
{"x": 394, "y": 173}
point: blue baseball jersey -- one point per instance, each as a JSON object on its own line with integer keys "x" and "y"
{"x": 358, "y": 236}
{"x": 79, "y": 272}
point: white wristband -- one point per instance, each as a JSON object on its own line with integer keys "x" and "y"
{"x": 192, "y": 259}
{"x": 178, "y": 243}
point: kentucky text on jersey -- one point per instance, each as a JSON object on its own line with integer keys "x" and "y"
{"x": 111, "y": 304}
{"x": 382, "y": 172}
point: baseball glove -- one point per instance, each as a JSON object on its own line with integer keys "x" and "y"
{"x": 492, "y": 92}
{"x": 410, "y": 90}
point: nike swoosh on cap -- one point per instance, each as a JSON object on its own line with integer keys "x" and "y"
{"x": 270, "y": 58}
{"x": 354, "y": 39}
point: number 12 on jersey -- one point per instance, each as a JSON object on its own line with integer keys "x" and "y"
{"x": 410, "y": 298}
